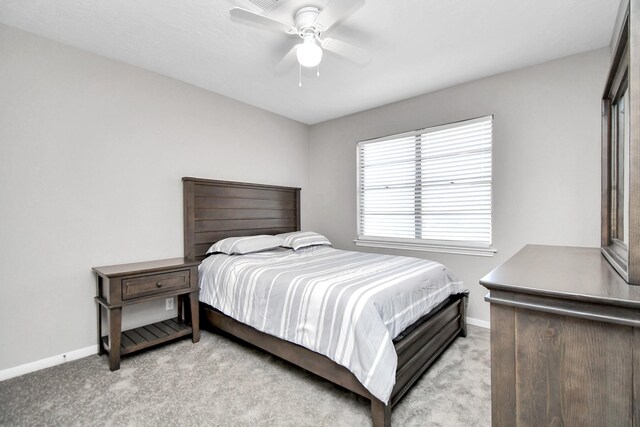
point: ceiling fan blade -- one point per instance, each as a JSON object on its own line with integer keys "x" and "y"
{"x": 336, "y": 11}
{"x": 287, "y": 61}
{"x": 347, "y": 50}
{"x": 246, "y": 4}
{"x": 247, "y": 16}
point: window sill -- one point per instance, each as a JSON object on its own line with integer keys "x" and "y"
{"x": 422, "y": 247}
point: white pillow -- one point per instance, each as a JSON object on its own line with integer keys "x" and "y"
{"x": 302, "y": 239}
{"x": 245, "y": 245}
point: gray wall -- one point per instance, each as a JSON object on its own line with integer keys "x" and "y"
{"x": 91, "y": 155}
{"x": 92, "y": 151}
{"x": 546, "y": 158}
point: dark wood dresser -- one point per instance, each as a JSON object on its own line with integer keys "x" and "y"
{"x": 565, "y": 340}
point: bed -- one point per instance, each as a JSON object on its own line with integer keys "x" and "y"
{"x": 214, "y": 210}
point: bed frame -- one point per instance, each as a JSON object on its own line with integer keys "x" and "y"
{"x": 214, "y": 210}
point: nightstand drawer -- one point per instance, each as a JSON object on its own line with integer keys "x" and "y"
{"x": 154, "y": 284}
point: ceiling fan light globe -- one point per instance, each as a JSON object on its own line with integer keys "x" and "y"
{"x": 309, "y": 54}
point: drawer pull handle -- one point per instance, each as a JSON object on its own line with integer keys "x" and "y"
{"x": 159, "y": 284}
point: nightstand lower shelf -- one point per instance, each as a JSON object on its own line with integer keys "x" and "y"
{"x": 150, "y": 335}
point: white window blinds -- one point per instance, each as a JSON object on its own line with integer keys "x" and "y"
{"x": 431, "y": 186}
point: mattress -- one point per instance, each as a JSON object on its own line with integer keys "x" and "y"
{"x": 348, "y": 306}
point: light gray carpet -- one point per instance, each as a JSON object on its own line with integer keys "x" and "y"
{"x": 222, "y": 383}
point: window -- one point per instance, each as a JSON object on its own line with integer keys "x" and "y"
{"x": 428, "y": 190}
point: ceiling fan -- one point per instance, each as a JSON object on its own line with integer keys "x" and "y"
{"x": 311, "y": 24}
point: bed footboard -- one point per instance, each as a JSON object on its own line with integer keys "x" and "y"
{"x": 420, "y": 348}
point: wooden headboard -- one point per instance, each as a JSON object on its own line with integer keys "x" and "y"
{"x": 214, "y": 210}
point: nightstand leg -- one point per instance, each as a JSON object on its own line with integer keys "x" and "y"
{"x": 195, "y": 315}
{"x": 99, "y": 295}
{"x": 115, "y": 329}
{"x": 100, "y": 348}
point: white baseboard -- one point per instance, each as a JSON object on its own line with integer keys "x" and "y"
{"x": 478, "y": 322}
{"x": 59, "y": 359}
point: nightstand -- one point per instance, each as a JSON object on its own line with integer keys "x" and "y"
{"x": 128, "y": 284}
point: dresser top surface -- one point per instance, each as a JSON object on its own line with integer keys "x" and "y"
{"x": 566, "y": 272}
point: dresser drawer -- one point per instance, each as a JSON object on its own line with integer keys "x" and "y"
{"x": 154, "y": 284}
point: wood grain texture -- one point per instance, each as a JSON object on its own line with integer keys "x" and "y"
{"x": 624, "y": 70}
{"x": 605, "y": 175}
{"x": 416, "y": 366}
{"x": 114, "y": 318}
{"x": 194, "y": 315}
{"x": 154, "y": 284}
{"x": 99, "y": 294}
{"x": 147, "y": 336}
{"x": 567, "y": 307}
{"x": 634, "y": 142}
{"x": 596, "y": 373}
{"x": 136, "y": 283}
{"x": 202, "y": 239}
{"x": 463, "y": 317}
{"x": 503, "y": 379}
{"x": 145, "y": 267}
{"x": 538, "y": 358}
{"x": 231, "y": 203}
{"x": 568, "y": 356}
{"x": 244, "y": 214}
{"x": 380, "y": 414}
{"x": 571, "y": 372}
{"x": 188, "y": 218}
{"x": 569, "y": 273}
{"x": 410, "y": 343}
{"x": 214, "y": 210}
{"x": 242, "y": 191}
{"x": 230, "y": 225}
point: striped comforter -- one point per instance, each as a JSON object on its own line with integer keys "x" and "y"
{"x": 348, "y": 306}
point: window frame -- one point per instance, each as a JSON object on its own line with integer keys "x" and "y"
{"x": 415, "y": 244}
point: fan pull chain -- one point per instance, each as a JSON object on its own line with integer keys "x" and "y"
{"x": 318, "y": 71}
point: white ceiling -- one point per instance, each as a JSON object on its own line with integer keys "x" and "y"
{"x": 418, "y": 46}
